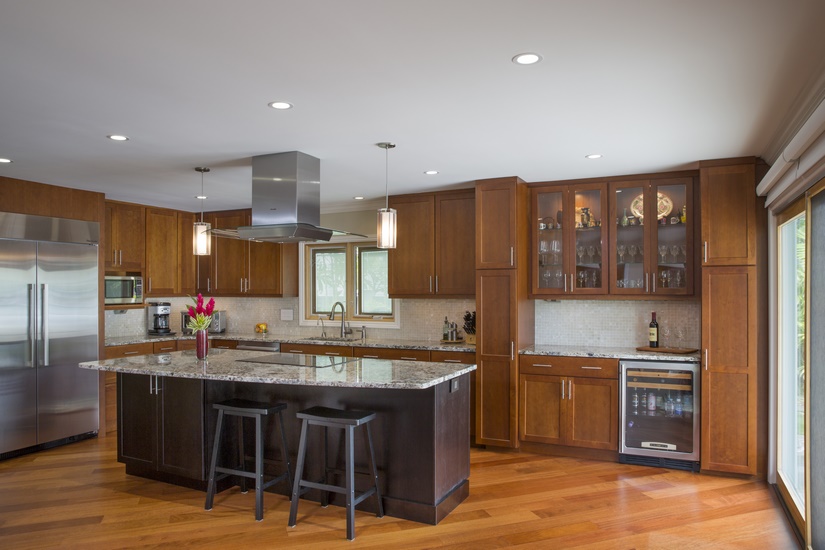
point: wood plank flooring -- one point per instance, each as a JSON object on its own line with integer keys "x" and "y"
{"x": 78, "y": 496}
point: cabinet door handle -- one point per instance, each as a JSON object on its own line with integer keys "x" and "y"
{"x": 431, "y": 284}
{"x": 120, "y": 257}
{"x": 512, "y": 255}
{"x": 570, "y": 389}
{"x": 705, "y": 246}
{"x": 208, "y": 285}
{"x": 654, "y": 282}
{"x": 151, "y": 389}
{"x": 565, "y": 284}
{"x": 512, "y": 350}
{"x": 157, "y": 385}
{"x": 130, "y": 353}
{"x": 706, "y": 358}
{"x": 436, "y": 284}
{"x": 591, "y": 368}
{"x": 562, "y": 389}
{"x": 572, "y": 282}
{"x": 241, "y": 284}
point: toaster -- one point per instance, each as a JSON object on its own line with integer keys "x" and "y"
{"x": 218, "y": 322}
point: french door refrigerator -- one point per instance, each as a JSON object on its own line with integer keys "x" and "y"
{"x": 48, "y": 324}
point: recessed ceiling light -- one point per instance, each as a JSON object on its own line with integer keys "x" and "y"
{"x": 358, "y": 198}
{"x": 593, "y": 156}
{"x": 280, "y": 105}
{"x": 526, "y": 58}
{"x": 5, "y": 161}
{"x": 201, "y": 197}
{"x": 431, "y": 172}
{"x": 115, "y": 137}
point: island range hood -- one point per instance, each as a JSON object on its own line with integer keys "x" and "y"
{"x": 286, "y": 201}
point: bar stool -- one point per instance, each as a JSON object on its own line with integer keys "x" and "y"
{"x": 247, "y": 409}
{"x": 348, "y": 421}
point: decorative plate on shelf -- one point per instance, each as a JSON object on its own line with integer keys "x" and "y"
{"x": 664, "y": 206}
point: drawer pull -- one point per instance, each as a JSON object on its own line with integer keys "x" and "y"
{"x": 168, "y": 349}
{"x": 370, "y": 357}
{"x": 542, "y": 365}
{"x": 130, "y": 353}
{"x": 296, "y": 351}
{"x": 592, "y": 368}
{"x": 331, "y": 353}
{"x": 452, "y": 360}
{"x": 409, "y": 358}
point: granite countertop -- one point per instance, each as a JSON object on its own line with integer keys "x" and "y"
{"x": 287, "y": 339}
{"x": 609, "y": 353}
{"x": 228, "y": 365}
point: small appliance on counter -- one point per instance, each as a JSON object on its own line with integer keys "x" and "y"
{"x": 157, "y": 318}
{"x": 218, "y": 322}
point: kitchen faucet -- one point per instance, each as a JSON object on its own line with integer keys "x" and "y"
{"x": 344, "y": 329}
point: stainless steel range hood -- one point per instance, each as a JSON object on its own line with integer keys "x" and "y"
{"x": 286, "y": 201}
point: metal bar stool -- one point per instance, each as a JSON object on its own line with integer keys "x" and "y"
{"x": 348, "y": 421}
{"x": 247, "y": 409}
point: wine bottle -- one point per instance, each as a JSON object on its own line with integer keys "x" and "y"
{"x": 653, "y": 332}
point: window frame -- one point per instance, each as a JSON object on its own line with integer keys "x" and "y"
{"x": 306, "y": 315}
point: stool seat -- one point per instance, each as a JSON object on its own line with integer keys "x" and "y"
{"x": 242, "y": 408}
{"x": 336, "y": 416}
{"x": 347, "y": 420}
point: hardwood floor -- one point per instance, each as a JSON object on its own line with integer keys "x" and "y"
{"x": 78, "y": 496}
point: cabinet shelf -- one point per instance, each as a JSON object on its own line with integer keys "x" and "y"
{"x": 648, "y": 374}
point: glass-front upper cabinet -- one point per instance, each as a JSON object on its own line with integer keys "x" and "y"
{"x": 570, "y": 234}
{"x": 652, "y": 245}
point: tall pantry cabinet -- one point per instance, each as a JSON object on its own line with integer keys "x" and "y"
{"x": 505, "y": 315}
{"x": 734, "y": 322}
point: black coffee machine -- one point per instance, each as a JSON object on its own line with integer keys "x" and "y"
{"x": 157, "y": 317}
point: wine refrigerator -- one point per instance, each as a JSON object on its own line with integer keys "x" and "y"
{"x": 659, "y": 410}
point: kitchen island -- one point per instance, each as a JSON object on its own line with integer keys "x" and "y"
{"x": 421, "y": 434}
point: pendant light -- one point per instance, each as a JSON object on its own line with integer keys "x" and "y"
{"x": 201, "y": 239}
{"x": 386, "y": 216}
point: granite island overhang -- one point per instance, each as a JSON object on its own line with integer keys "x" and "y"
{"x": 421, "y": 433}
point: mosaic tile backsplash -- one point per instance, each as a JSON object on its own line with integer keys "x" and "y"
{"x": 570, "y": 322}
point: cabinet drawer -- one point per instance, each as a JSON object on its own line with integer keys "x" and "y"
{"x": 391, "y": 353}
{"x": 463, "y": 357}
{"x": 590, "y": 367}
{"x": 317, "y": 349}
{"x": 164, "y": 347}
{"x": 219, "y": 343}
{"x": 115, "y": 352}
{"x": 186, "y": 344}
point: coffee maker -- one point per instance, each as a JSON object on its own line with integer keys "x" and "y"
{"x": 157, "y": 318}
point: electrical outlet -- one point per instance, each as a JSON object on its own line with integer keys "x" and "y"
{"x": 453, "y": 385}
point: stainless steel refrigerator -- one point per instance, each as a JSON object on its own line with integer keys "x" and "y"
{"x": 48, "y": 324}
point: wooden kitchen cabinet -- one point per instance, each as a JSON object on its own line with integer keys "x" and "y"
{"x": 651, "y": 250}
{"x": 124, "y": 237}
{"x": 162, "y": 270}
{"x": 571, "y": 401}
{"x": 391, "y": 353}
{"x": 221, "y": 343}
{"x": 161, "y": 421}
{"x": 187, "y": 261}
{"x": 243, "y": 268}
{"x": 729, "y": 213}
{"x": 570, "y": 236}
{"x": 729, "y": 375}
{"x": 435, "y": 252}
{"x": 166, "y": 346}
{"x": 128, "y": 350}
{"x": 501, "y": 222}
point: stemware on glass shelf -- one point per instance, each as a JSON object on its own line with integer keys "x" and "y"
{"x": 555, "y": 249}
{"x": 591, "y": 251}
{"x": 632, "y": 249}
{"x": 580, "y": 252}
{"x": 621, "y": 249}
{"x": 663, "y": 251}
{"x": 582, "y": 276}
{"x": 675, "y": 251}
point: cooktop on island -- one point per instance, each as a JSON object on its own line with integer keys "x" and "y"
{"x": 300, "y": 360}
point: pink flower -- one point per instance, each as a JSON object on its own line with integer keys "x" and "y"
{"x": 200, "y": 317}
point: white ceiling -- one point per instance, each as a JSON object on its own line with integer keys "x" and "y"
{"x": 652, "y": 85}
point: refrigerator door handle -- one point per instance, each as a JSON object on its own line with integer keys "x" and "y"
{"x": 44, "y": 323}
{"x": 32, "y": 328}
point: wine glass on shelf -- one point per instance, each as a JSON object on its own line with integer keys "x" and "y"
{"x": 663, "y": 251}
{"x": 582, "y": 276}
{"x": 591, "y": 251}
{"x": 546, "y": 278}
{"x": 675, "y": 251}
{"x": 632, "y": 249}
{"x": 557, "y": 278}
{"x": 683, "y": 249}
{"x": 580, "y": 252}
{"x": 621, "y": 250}
{"x": 555, "y": 248}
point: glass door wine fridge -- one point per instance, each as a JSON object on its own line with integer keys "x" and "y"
{"x": 659, "y": 406}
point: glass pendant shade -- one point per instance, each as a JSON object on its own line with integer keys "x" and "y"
{"x": 386, "y": 228}
{"x": 201, "y": 240}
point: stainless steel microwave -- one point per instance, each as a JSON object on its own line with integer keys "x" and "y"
{"x": 123, "y": 289}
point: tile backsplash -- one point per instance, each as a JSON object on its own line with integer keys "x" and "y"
{"x": 598, "y": 323}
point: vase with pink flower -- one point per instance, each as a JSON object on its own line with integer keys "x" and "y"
{"x": 200, "y": 317}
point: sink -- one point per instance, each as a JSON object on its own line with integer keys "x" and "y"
{"x": 332, "y": 338}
